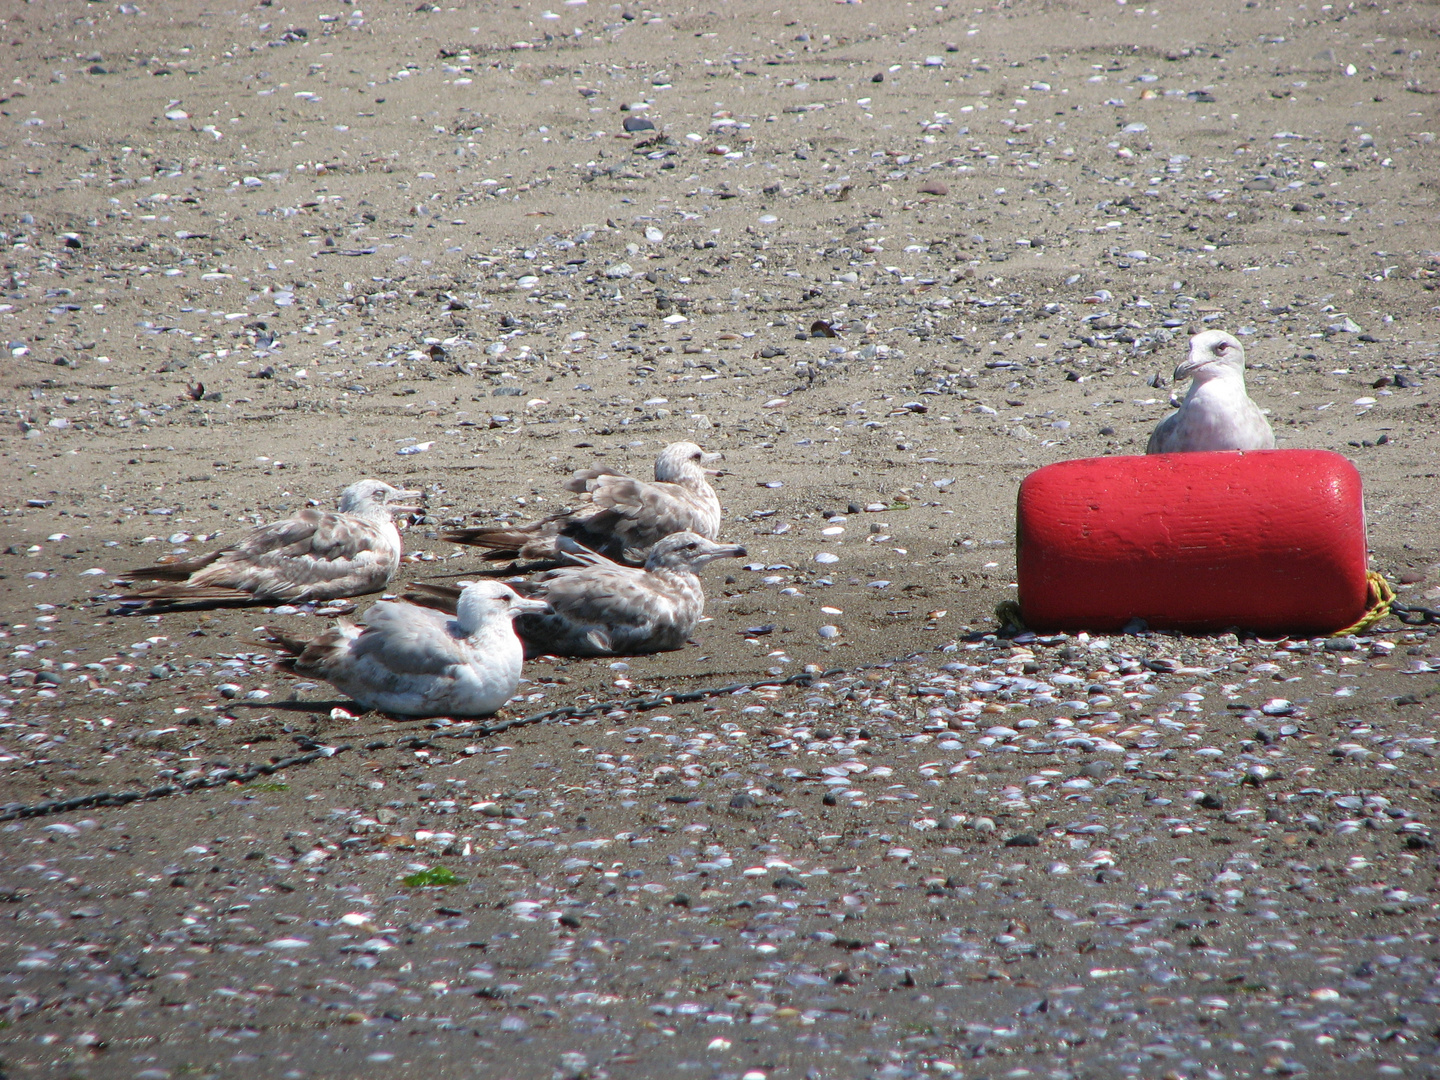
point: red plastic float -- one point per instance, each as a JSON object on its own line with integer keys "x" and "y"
{"x": 1271, "y": 541}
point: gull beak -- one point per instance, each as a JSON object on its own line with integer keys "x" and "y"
{"x": 1189, "y": 366}
{"x": 404, "y": 508}
{"x": 524, "y": 605}
{"x": 726, "y": 551}
{"x": 708, "y": 458}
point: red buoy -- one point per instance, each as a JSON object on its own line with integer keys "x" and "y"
{"x": 1271, "y": 541}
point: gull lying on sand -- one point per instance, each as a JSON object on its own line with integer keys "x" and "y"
{"x": 315, "y": 555}
{"x": 601, "y": 608}
{"x": 1216, "y": 414}
{"x": 622, "y": 518}
{"x": 416, "y": 661}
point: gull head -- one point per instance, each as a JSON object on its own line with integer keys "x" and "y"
{"x": 689, "y": 549}
{"x": 1212, "y": 354}
{"x": 371, "y": 494}
{"x": 489, "y": 602}
{"x": 683, "y": 461}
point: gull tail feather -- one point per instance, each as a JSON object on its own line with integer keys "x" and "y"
{"x": 189, "y": 594}
{"x": 178, "y": 570}
{"x": 502, "y": 543}
{"x": 292, "y": 646}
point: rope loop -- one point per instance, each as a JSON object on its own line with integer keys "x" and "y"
{"x": 1381, "y": 596}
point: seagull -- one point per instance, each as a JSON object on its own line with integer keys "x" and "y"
{"x": 603, "y": 608}
{"x": 416, "y": 661}
{"x": 315, "y": 555}
{"x": 622, "y": 518}
{"x": 1216, "y": 414}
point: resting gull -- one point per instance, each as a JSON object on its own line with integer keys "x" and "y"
{"x": 315, "y": 555}
{"x": 622, "y": 518}
{"x": 1216, "y": 414}
{"x": 416, "y": 661}
{"x": 603, "y": 608}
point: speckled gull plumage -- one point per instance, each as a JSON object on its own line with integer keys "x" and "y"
{"x": 620, "y": 517}
{"x": 602, "y": 608}
{"x": 416, "y": 661}
{"x": 1217, "y": 413}
{"x": 315, "y": 555}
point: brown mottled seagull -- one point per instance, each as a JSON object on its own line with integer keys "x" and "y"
{"x": 315, "y": 555}
{"x": 602, "y": 608}
{"x": 1217, "y": 413}
{"x": 622, "y": 518}
{"x": 416, "y": 661}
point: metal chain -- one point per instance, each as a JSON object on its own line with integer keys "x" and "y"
{"x": 12, "y": 811}
{"x": 313, "y": 751}
{"x": 1414, "y": 614}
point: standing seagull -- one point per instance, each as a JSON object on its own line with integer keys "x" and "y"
{"x": 623, "y": 518}
{"x": 602, "y": 608}
{"x": 315, "y": 555}
{"x": 1216, "y": 414}
{"x": 416, "y": 661}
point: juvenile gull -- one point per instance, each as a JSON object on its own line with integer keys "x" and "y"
{"x": 315, "y": 555}
{"x": 416, "y": 661}
{"x": 1216, "y": 414}
{"x": 622, "y": 518}
{"x": 602, "y": 608}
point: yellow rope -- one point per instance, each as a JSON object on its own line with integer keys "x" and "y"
{"x": 1381, "y": 597}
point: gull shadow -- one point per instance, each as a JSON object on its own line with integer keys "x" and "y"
{"x": 303, "y": 706}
